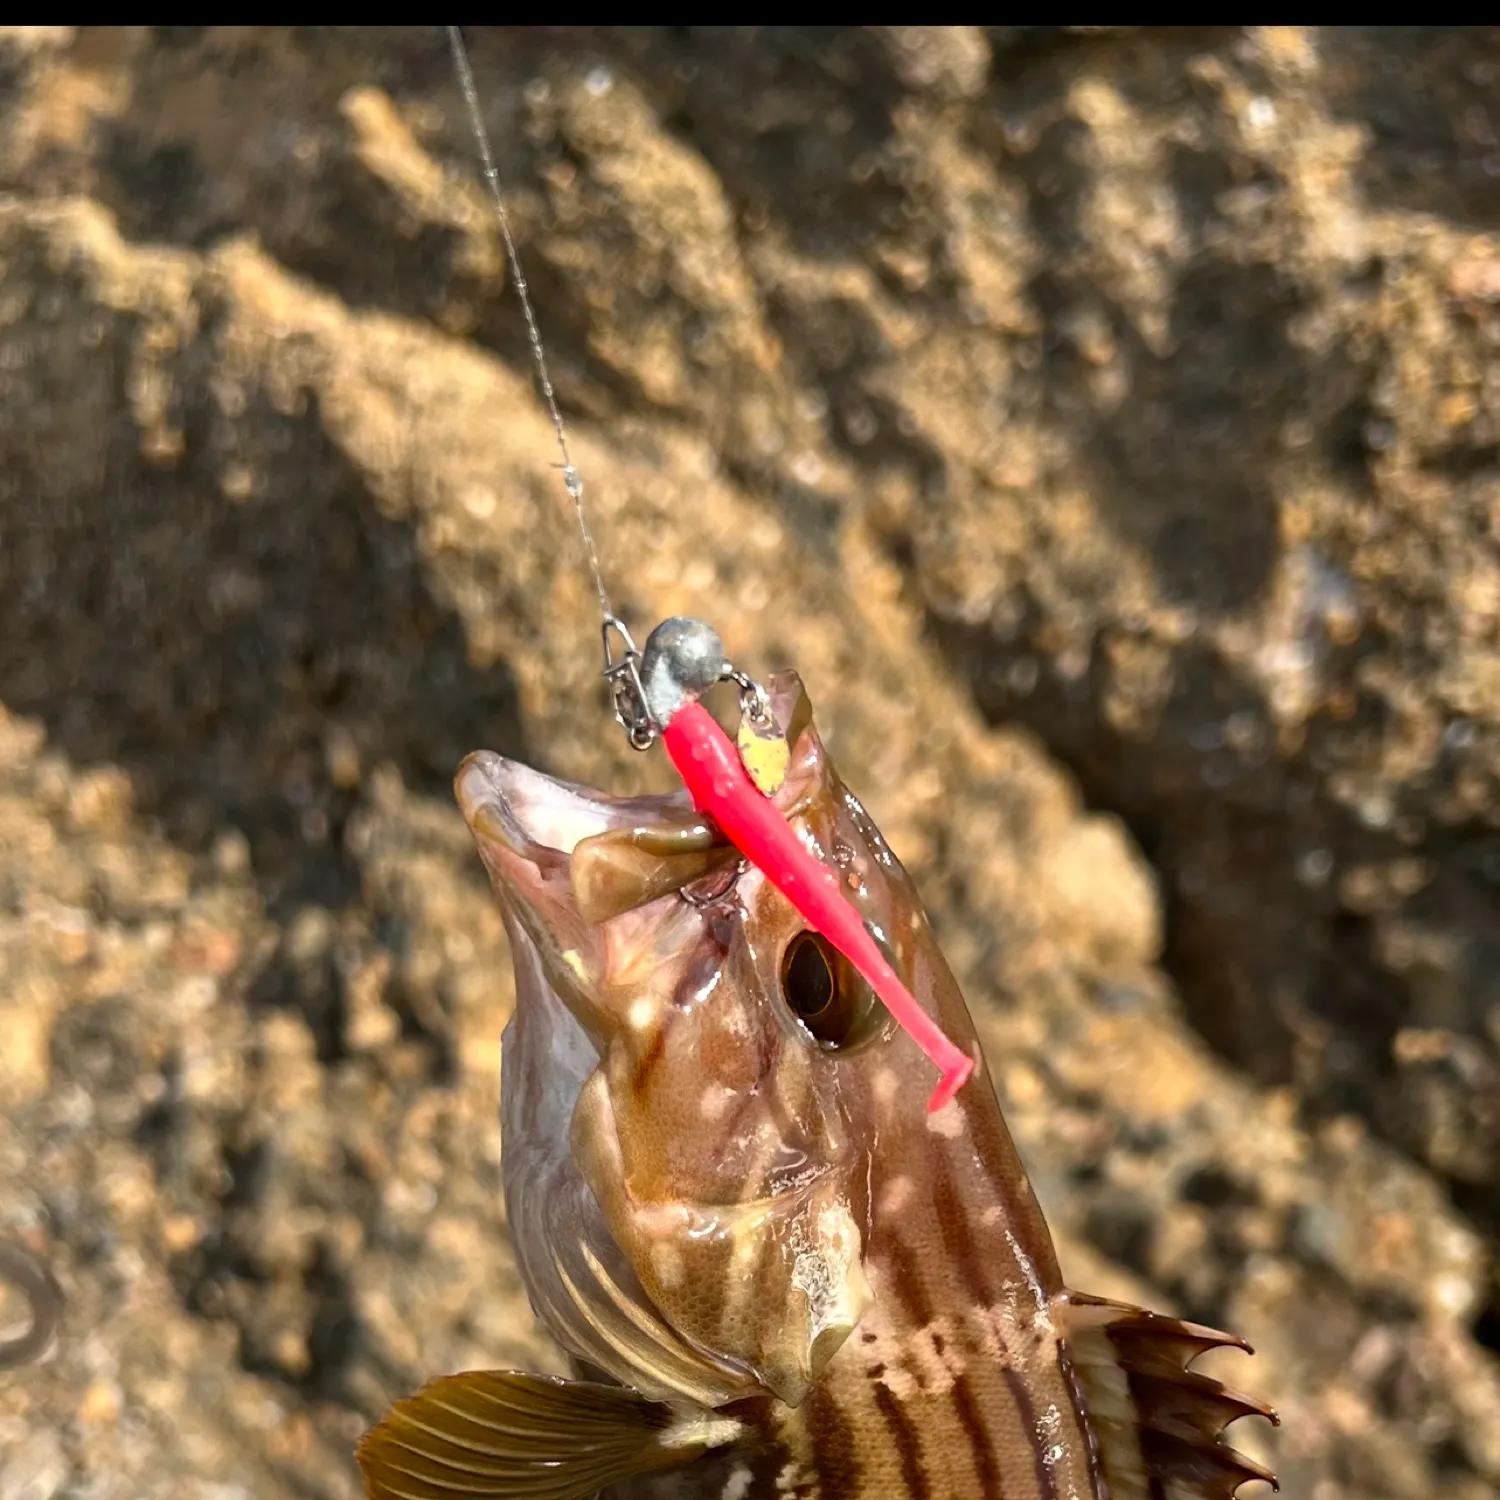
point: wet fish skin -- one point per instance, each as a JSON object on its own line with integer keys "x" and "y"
{"x": 809, "y": 1285}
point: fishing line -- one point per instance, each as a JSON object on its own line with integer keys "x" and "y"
{"x": 571, "y": 477}
{"x": 623, "y": 674}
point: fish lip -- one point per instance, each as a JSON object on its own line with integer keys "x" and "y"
{"x": 480, "y": 787}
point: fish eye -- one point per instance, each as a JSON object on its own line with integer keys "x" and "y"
{"x": 807, "y": 977}
{"x": 827, "y": 994}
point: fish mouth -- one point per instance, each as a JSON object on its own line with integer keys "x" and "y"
{"x": 526, "y": 825}
{"x": 516, "y": 813}
{"x": 615, "y": 855}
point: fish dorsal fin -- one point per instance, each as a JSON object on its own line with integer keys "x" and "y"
{"x": 499, "y": 1435}
{"x": 1156, "y": 1423}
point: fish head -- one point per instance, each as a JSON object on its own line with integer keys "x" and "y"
{"x": 740, "y": 1072}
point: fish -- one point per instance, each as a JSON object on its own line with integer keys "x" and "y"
{"x": 774, "y": 1272}
{"x": 22, "y": 1271}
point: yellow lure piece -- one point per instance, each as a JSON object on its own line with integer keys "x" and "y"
{"x": 766, "y": 757}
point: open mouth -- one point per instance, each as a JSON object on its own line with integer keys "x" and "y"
{"x": 531, "y": 812}
{"x": 616, "y": 854}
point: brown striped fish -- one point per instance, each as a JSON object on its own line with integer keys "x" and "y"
{"x": 776, "y": 1274}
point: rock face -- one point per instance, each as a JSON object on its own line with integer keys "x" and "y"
{"x": 1104, "y": 421}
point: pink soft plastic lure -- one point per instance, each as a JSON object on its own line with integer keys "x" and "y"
{"x": 684, "y": 657}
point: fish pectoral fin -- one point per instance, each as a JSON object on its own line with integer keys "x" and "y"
{"x": 1157, "y": 1423}
{"x": 488, "y": 1434}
